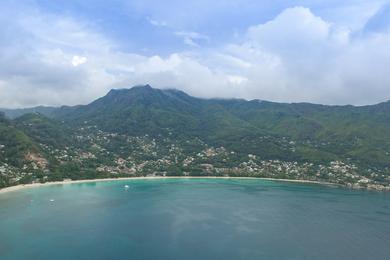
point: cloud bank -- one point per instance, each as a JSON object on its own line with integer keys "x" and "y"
{"x": 295, "y": 57}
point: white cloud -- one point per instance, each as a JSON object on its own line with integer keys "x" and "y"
{"x": 297, "y": 56}
{"x": 157, "y": 23}
{"x": 77, "y": 60}
{"x": 282, "y": 32}
{"x": 234, "y": 79}
{"x": 36, "y": 50}
{"x": 191, "y": 38}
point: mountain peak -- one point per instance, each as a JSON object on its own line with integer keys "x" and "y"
{"x": 135, "y": 88}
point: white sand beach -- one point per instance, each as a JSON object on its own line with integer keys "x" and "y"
{"x": 37, "y": 185}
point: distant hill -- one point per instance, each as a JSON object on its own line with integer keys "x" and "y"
{"x": 14, "y": 113}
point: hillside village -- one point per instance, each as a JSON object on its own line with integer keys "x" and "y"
{"x": 115, "y": 155}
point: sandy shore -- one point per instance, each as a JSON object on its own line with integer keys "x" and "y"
{"x": 36, "y": 185}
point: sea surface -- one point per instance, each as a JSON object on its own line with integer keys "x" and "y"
{"x": 194, "y": 219}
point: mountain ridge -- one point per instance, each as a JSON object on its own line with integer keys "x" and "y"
{"x": 47, "y": 110}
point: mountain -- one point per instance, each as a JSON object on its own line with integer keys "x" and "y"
{"x": 143, "y": 130}
{"x": 347, "y": 131}
{"x": 144, "y": 110}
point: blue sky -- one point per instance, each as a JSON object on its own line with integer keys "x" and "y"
{"x": 70, "y": 52}
{"x": 152, "y": 25}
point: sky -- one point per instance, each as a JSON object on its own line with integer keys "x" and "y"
{"x": 74, "y": 51}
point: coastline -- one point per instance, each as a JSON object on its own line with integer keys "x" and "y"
{"x": 37, "y": 185}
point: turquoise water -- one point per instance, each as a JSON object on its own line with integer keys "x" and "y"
{"x": 194, "y": 219}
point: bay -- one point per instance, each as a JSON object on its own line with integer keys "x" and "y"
{"x": 194, "y": 219}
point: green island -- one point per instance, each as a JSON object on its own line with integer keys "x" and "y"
{"x": 144, "y": 131}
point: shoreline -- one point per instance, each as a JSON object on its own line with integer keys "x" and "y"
{"x": 37, "y": 185}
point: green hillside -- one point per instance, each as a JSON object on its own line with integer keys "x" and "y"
{"x": 15, "y": 144}
{"x": 142, "y": 130}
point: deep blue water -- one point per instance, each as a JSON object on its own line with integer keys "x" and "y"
{"x": 194, "y": 219}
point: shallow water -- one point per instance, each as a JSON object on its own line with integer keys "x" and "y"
{"x": 194, "y": 219}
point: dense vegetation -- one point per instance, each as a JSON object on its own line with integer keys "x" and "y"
{"x": 167, "y": 131}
